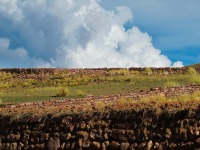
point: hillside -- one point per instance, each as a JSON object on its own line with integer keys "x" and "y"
{"x": 102, "y": 108}
{"x": 194, "y": 65}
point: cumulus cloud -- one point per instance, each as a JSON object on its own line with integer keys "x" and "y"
{"x": 65, "y": 33}
{"x": 14, "y": 55}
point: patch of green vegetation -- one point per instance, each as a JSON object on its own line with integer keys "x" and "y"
{"x": 192, "y": 71}
{"x": 171, "y": 83}
{"x": 16, "y": 90}
{"x": 80, "y": 93}
{"x": 194, "y": 76}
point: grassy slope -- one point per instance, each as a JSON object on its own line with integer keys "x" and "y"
{"x": 14, "y": 90}
{"x": 194, "y": 65}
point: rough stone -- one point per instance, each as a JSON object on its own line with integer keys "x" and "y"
{"x": 96, "y": 145}
{"x": 124, "y": 146}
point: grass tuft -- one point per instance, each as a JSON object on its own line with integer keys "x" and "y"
{"x": 62, "y": 92}
{"x": 195, "y": 78}
{"x": 155, "y": 98}
{"x": 80, "y": 93}
{"x": 192, "y": 71}
{"x": 99, "y": 105}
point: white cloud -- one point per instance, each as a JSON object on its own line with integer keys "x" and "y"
{"x": 9, "y": 8}
{"x": 178, "y": 64}
{"x": 12, "y": 56}
{"x": 64, "y": 33}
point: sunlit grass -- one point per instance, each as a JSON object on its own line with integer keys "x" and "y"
{"x": 160, "y": 99}
{"x": 17, "y": 90}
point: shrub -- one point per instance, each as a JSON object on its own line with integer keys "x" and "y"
{"x": 62, "y": 92}
{"x": 1, "y": 101}
{"x": 79, "y": 93}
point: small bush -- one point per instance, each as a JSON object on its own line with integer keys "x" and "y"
{"x": 80, "y": 93}
{"x": 62, "y": 92}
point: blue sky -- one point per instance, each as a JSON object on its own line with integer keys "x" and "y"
{"x": 94, "y": 33}
{"x": 173, "y": 25}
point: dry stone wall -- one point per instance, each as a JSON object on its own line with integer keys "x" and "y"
{"x": 152, "y": 126}
{"x": 46, "y": 73}
{"x": 91, "y": 70}
{"x": 118, "y": 130}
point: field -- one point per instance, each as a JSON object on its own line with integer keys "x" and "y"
{"x": 22, "y": 87}
{"x": 104, "y": 108}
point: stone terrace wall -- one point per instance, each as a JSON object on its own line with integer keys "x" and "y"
{"x": 153, "y": 126}
{"x": 121, "y": 130}
{"x": 83, "y": 103}
{"x": 91, "y": 70}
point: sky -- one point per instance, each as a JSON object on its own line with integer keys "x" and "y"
{"x": 99, "y": 33}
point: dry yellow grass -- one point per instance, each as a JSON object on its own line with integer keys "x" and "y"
{"x": 99, "y": 105}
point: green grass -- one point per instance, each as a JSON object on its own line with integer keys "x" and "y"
{"x": 15, "y": 90}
